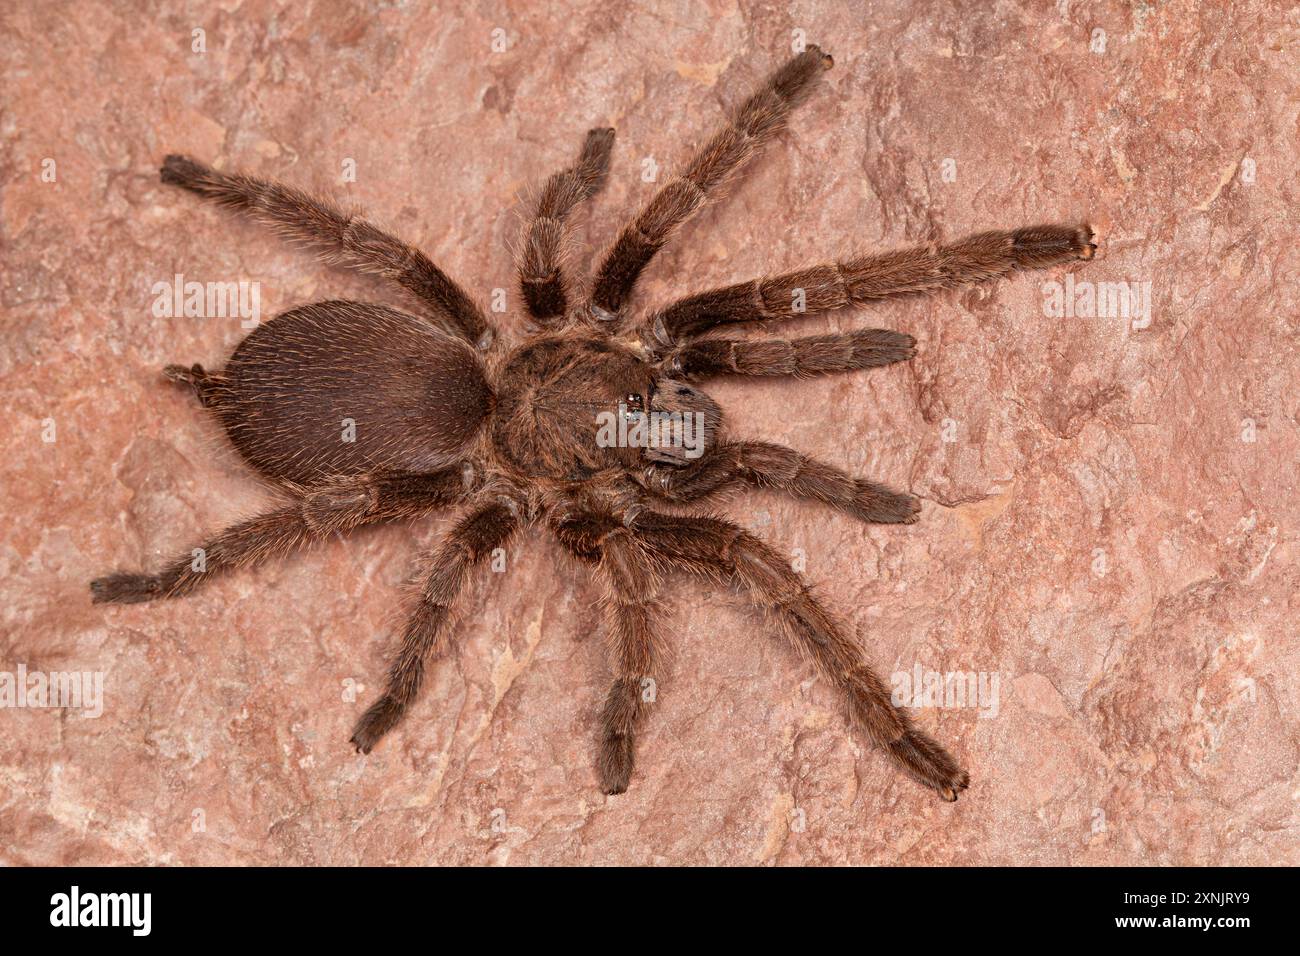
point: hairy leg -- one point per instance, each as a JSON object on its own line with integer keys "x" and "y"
{"x": 757, "y": 121}
{"x": 541, "y": 276}
{"x": 814, "y": 355}
{"x": 319, "y": 512}
{"x": 474, "y": 537}
{"x": 632, "y": 612}
{"x": 863, "y": 279}
{"x": 721, "y": 550}
{"x": 338, "y": 237}
{"x": 767, "y": 465}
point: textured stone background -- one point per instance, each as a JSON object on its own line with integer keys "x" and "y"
{"x": 1147, "y": 714}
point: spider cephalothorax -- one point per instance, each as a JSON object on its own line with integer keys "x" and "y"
{"x": 591, "y": 424}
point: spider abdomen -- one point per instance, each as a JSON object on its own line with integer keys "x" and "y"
{"x": 349, "y": 388}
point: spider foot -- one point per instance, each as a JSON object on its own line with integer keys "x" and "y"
{"x": 923, "y": 758}
{"x": 378, "y": 720}
{"x": 181, "y": 171}
{"x": 600, "y": 140}
{"x": 879, "y": 505}
{"x": 879, "y": 347}
{"x": 125, "y": 588}
{"x": 1083, "y": 237}
{"x": 1040, "y": 246}
{"x": 888, "y": 356}
{"x": 887, "y": 338}
{"x": 615, "y": 764}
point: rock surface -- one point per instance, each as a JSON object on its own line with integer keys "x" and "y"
{"x": 1109, "y": 536}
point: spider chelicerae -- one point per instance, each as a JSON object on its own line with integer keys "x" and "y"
{"x": 512, "y": 438}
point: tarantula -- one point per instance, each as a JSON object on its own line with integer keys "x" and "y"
{"x": 442, "y": 419}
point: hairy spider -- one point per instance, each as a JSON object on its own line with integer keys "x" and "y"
{"x": 514, "y": 440}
